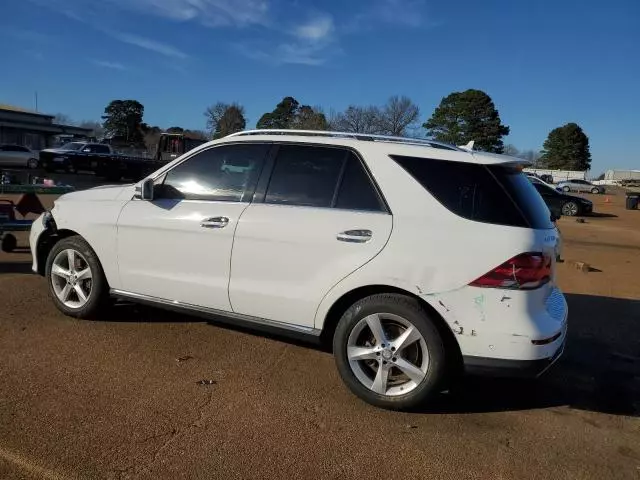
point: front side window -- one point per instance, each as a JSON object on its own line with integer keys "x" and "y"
{"x": 100, "y": 149}
{"x": 227, "y": 173}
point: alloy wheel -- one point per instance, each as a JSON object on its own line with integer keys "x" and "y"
{"x": 387, "y": 354}
{"x": 570, "y": 209}
{"x": 71, "y": 278}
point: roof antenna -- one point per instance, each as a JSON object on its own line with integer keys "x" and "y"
{"x": 468, "y": 147}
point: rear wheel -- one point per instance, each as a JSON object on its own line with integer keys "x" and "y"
{"x": 595, "y": 190}
{"x": 76, "y": 280}
{"x": 570, "y": 209}
{"x": 32, "y": 163}
{"x": 389, "y": 352}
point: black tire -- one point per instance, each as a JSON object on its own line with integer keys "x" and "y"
{"x": 9, "y": 242}
{"x": 409, "y": 309}
{"x": 32, "y": 164}
{"x": 570, "y": 209}
{"x": 99, "y": 295}
{"x": 595, "y": 191}
{"x": 566, "y": 189}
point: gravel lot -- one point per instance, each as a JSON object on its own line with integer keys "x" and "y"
{"x": 121, "y": 398}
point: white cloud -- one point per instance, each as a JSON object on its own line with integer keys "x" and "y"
{"x": 289, "y": 53}
{"x": 403, "y": 13}
{"x": 213, "y": 13}
{"x": 107, "y": 64}
{"x": 148, "y": 44}
{"x": 317, "y": 29}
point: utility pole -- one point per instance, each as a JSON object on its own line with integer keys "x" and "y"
{"x": 36, "y": 95}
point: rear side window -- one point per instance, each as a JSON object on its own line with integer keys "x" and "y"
{"x": 485, "y": 193}
{"x": 356, "y": 191}
{"x": 313, "y": 176}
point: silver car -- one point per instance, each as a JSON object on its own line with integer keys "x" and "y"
{"x": 579, "y": 186}
{"x": 17, "y": 156}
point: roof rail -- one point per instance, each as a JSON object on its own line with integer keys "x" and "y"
{"x": 355, "y": 136}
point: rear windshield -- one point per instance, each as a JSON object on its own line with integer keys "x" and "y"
{"x": 495, "y": 194}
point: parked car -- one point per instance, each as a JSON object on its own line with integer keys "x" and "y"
{"x": 580, "y": 186}
{"x": 73, "y": 156}
{"x": 560, "y": 203}
{"x": 17, "y": 156}
{"x": 416, "y": 260}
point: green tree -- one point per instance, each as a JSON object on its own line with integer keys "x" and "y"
{"x": 224, "y": 119}
{"x": 465, "y": 116}
{"x": 566, "y": 148}
{"x": 308, "y": 118}
{"x": 283, "y": 115}
{"x": 123, "y": 118}
{"x": 175, "y": 130}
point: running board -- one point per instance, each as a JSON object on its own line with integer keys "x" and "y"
{"x": 230, "y": 318}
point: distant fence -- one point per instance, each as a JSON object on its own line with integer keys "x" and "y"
{"x": 559, "y": 175}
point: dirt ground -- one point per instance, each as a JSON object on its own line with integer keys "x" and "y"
{"x": 121, "y": 399}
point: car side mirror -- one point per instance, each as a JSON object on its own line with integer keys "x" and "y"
{"x": 144, "y": 190}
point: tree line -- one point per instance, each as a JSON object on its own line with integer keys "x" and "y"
{"x": 460, "y": 117}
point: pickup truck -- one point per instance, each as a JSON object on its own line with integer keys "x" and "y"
{"x": 101, "y": 159}
{"x": 169, "y": 147}
{"x": 74, "y": 157}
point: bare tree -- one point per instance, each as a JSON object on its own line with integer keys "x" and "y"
{"x": 97, "y": 130}
{"x": 63, "y": 119}
{"x": 511, "y": 150}
{"x": 357, "y": 119}
{"x": 398, "y": 116}
{"x": 224, "y": 119}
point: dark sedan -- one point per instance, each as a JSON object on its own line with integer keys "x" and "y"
{"x": 562, "y": 204}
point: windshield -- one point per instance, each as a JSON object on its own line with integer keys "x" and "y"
{"x": 72, "y": 146}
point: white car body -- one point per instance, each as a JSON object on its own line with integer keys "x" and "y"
{"x": 282, "y": 265}
{"x": 17, "y": 156}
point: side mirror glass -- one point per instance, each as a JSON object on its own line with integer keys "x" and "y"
{"x": 144, "y": 190}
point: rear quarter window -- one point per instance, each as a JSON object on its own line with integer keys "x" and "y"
{"x": 495, "y": 194}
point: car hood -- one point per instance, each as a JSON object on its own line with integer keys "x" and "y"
{"x": 102, "y": 193}
{"x": 575, "y": 198}
{"x": 57, "y": 150}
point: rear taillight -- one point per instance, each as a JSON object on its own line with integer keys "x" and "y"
{"x": 524, "y": 272}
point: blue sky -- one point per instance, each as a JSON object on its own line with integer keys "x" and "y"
{"x": 543, "y": 62}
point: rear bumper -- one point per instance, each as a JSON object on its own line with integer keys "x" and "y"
{"x": 498, "y": 367}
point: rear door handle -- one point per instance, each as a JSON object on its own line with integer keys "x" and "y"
{"x": 215, "y": 222}
{"x": 355, "y": 236}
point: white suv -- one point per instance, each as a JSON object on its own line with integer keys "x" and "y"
{"x": 416, "y": 259}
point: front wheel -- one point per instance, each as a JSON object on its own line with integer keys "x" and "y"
{"x": 595, "y": 190}
{"x": 389, "y": 352}
{"x": 570, "y": 209}
{"x": 566, "y": 189}
{"x": 76, "y": 280}
{"x": 32, "y": 164}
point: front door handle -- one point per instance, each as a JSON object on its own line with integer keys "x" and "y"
{"x": 355, "y": 236}
{"x": 215, "y": 222}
